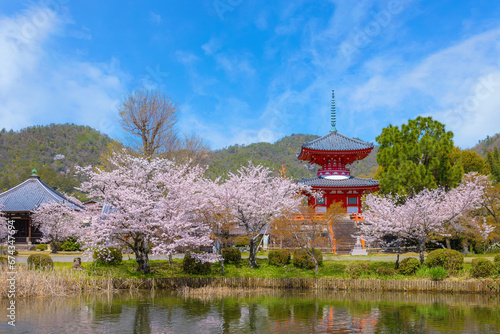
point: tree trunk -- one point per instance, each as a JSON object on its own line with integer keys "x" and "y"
{"x": 222, "y": 266}
{"x": 53, "y": 245}
{"x": 310, "y": 253}
{"x": 448, "y": 242}
{"x": 422, "y": 250}
{"x": 465, "y": 247}
{"x": 396, "y": 266}
{"x": 252, "y": 262}
{"x": 170, "y": 259}
{"x": 141, "y": 255}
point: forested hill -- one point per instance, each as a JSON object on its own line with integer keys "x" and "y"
{"x": 53, "y": 150}
{"x": 486, "y": 145}
{"x": 272, "y": 155}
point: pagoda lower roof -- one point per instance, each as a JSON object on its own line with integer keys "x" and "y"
{"x": 351, "y": 182}
{"x": 336, "y": 142}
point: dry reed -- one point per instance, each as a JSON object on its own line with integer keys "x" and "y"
{"x": 50, "y": 282}
{"x": 208, "y": 293}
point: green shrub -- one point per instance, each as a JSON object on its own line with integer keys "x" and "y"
{"x": 355, "y": 269}
{"x": 4, "y": 262}
{"x": 482, "y": 268}
{"x": 302, "y": 260}
{"x": 279, "y": 257}
{"x": 107, "y": 255}
{"x": 449, "y": 259}
{"x": 70, "y": 245}
{"x": 42, "y": 247}
{"x": 496, "y": 259}
{"x": 384, "y": 271}
{"x": 40, "y": 261}
{"x": 242, "y": 242}
{"x": 191, "y": 265}
{"x": 408, "y": 266}
{"x": 438, "y": 273}
{"x": 497, "y": 266}
{"x": 231, "y": 255}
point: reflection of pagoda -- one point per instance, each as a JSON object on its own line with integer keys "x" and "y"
{"x": 333, "y": 152}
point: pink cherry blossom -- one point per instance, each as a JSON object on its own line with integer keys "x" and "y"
{"x": 254, "y": 198}
{"x": 56, "y": 221}
{"x": 420, "y": 215}
{"x": 149, "y": 207}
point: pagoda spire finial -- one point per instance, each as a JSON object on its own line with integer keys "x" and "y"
{"x": 333, "y": 116}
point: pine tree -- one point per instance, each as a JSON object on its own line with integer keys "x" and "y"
{"x": 416, "y": 156}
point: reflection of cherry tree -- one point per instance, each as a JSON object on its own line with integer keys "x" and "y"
{"x": 149, "y": 202}
{"x": 56, "y": 221}
{"x": 254, "y": 198}
{"x": 422, "y": 214}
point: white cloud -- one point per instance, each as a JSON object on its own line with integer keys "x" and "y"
{"x": 39, "y": 85}
{"x": 458, "y": 85}
{"x": 212, "y": 46}
{"x": 379, "y": 85}
{"x": 235, "y": 126}
{"x": 155, "y": 18}
{"x": 235, "y": 66}
{"x": 187, "y": 58}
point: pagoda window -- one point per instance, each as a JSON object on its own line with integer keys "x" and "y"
{"x": 320, "y": 200}
{"x": 352, "y": 201}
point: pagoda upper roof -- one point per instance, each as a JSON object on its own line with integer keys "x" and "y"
{"x": 351, "y": 182}
{"x": 335, "y": 141}
{"x": 29, "y": 195}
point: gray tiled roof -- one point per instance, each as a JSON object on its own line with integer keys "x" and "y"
{"x": 351, "y": 182}
{"x": 30, "y": 194}
{"x": 334, "y": 141}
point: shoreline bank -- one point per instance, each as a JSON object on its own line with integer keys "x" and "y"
{"x": 482, "y": 286}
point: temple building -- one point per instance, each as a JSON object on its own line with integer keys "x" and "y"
{"x": 333, "y": 153}
{"x": 18, "y": 202}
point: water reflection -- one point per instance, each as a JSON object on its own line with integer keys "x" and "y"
{"x": 275, "y": 312}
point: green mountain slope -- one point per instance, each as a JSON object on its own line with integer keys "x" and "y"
{"x": 53, "y": 150}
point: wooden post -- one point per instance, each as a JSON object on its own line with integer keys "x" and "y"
{"x": 29, "y": 230}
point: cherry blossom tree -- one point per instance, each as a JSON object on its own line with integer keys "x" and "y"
{"x": 3, "y": 225}
{"x": 148, "y": 207}
{"x": 255, "y": 198}
{"x": 423, "y": 214}
{"x": 218, "y": 218}
{"x": 484, "y": 231}
{"x": 384, "y": 224}
{"x": 57, "y": 221}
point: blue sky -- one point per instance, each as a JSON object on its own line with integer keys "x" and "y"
{"x": 248, "y": 71}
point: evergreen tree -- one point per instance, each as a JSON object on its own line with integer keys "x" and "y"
{"x": 493, "y": 161}
{"x": 416, "y": 156}
{"x": 470, "y": 161}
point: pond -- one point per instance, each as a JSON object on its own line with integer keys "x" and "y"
{"x": 259, "y": 312}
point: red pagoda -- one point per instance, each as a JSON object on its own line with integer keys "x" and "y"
{"x": 333, "y": 152}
